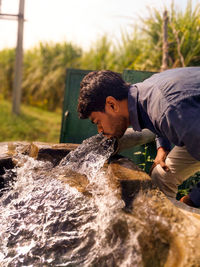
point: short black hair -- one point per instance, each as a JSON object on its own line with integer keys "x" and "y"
{"x": 95, "y": 87}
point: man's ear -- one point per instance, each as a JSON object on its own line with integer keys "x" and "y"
{"x": 111, "y": 104}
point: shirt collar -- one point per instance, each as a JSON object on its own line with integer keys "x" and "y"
{"x": 132, "y": 107}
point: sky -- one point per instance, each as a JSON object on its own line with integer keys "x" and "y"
{"x": 81, "y": 22}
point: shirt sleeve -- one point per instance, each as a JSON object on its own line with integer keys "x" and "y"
{"x": 162, "y": 142}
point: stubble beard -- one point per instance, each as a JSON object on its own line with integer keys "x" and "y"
{"x": 120, "y": 126}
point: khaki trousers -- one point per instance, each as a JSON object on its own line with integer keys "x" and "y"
{"x": 182, "y": 165}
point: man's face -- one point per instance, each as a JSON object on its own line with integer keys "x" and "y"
{"x": 110, "y": 124}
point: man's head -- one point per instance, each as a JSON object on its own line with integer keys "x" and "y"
{"x": 103, "y": 99}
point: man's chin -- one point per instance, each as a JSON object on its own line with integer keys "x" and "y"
{"x": 121, "y": 134}
{"x": 111, "y": 136}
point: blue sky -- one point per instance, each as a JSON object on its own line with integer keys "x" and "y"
{"x": 78, "y": 21}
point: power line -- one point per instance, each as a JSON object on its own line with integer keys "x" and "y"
{"x": 8, "y": 16}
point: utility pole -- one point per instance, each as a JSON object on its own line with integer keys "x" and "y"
{"x": 18, "y": 61}
{"x": 165, "y": 42}
{"x": 19, "y": 56}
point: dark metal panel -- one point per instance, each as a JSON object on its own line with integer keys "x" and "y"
{"x": 74, "y": 130}
{"x": 136, "y": 76}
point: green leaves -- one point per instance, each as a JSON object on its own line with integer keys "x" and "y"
{"x": 44, "y": 73}
{"x": 183, "y": 37}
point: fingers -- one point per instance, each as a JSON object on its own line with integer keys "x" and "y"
{"x": 165, "y": 167}
{"x": 160, "y": 159}
{"x": 162, "y": 164}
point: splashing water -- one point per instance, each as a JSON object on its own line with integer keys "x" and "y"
{"x": 90, "y": 156}
{"x": 45, "y": 222}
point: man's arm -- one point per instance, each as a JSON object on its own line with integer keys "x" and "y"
{"x": 163, "y": 148}
{"x": 160, "y": 159}
{"x": 133, "y": 138}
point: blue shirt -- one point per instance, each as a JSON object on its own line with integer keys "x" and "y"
{"x": 168, "y": 104}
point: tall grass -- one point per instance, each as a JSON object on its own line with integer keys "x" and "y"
{"x": 33, "y": 124}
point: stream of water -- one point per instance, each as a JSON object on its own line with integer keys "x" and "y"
{"x": 45, "y": 222}
{"x": 71, "y": 215}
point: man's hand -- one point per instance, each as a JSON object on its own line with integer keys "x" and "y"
{"x": 160, "y": 159}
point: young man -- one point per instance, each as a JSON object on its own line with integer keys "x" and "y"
{"x": 168, "y": 104}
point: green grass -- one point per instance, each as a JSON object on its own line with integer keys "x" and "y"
{"x": 33, "y": 124}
